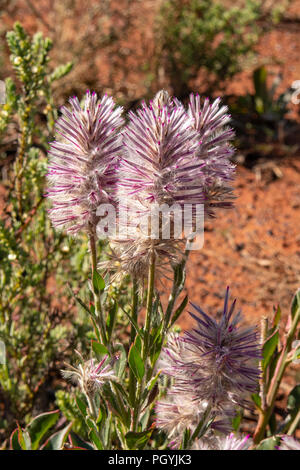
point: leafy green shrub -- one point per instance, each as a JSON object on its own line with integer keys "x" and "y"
{"x": 209, "y": 37}
{"x": 36, "y": 330}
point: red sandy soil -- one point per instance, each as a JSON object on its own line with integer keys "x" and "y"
{"x": 253, "y": 248}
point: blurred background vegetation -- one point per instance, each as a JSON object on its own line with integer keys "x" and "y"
{"x": 129, "y": 49}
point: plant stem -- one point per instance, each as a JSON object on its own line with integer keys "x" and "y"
{"x": 201, "y": 428}
{"x": 294, "y": 424}
{"x": 134, "y": 310}
{"x": 177, "y": 287}
{"x": 92, "y": 406}
{"x": 282, "y": 363}
{"x": 134, "y": 315}
{"x": 262, "y": 383}
{"x": 97, "y": 300}
{"x": 19, "y": 165}
{"x": 149, "y": 305}
{"x": 146, "y": 342}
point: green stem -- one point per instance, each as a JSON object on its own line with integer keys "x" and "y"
{"x": 134, "y": 310}
{"x": 276, "y": 380}
{"x": 177, "y": 287}
{"x": 146, "y": 342}
{"x": 149, "y": 306}
{"x": 263, "y": 337}
{"x": 201, "y": 427}
{"x": 134, "y": 315}
{"x": 19, "y": 165}
{"x": 97, "y": 300}
{"x": 294, "y": 424}
{"x": 92, "y": 406}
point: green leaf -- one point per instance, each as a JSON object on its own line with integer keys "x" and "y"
{"x": 98, "y": 282}
{"x": 145, "y": 419}
{"x": 293, "y": 402}
{"x": 57, "y": 440}
{"x": 268, "y": 444}
{"x": 277, "y": 317}
{"x": 149, "y": 387}
{"x": 137, "y": 440}
{"x": 236, "y": 422}
{"x": 295, "y": 354}
{"x": 134, "y": 324}
{"x": 61, "y": 71}
{"x": 115, "y": 403}
{"x": 273, "y": 423}
{"x": 78, "y": 442}
{"x": 99, "y": 349}
{"x": 136, "y": 363}
{"x": 96, "y": 440}
{"x": 257, "y": 400}
{"x": 152, "y": 382}
{"x": 14, "y": 440}
{"x": 82, "y": 406}
{"x": 24, "y": 439}
{"x": 295, "y": 303}
{"x": 138, "y": 343}
{"x": 122, "y": 391}
{"x": 185, "y": 439}
{"x": 39, "y": 426}
{"x": 179, "y": 310}
{"x": 120, "y": 364}
{"x": 269, "y": 348}
{"x": 111, "y": 319}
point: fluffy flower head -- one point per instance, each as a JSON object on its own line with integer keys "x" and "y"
{"x": 91, "y": 376}
{"x": 217, "y": 360}
{"x": 82, "y": 161}
{"x": 229, "y": 442}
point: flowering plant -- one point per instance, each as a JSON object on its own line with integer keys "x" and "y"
{"x": 143, "y": 384}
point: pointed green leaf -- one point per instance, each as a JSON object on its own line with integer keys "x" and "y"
{"x": 268, "y": 444}
{"x": 137, "y": 440}
{"x": 277, "y": 317}
{"x": 111, "y": 319}
{"x": 98, "y": 282}
{"x": 269, "y": 348}
{"x": 14, "y": 441}
{"x": 99, "y": 349}
{"x": 96, "y": 440}
{"x": 179, "y": 310}
{"x": 295, "y": 304}
{"x": 24, "y": 439}
{"x": 39, "y": 426}
{"x": 257, "y": 400}
{"x": 120, "y": 364}
{"x": 81, "y": 405}
{"x": 293, "y": 403}
{"x": 57, "y": 440}
{"x": 136, "y": 363}
{"x": 61, "y": 71}
{"x": 76, "y": 441}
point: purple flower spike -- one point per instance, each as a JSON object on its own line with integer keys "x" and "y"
{"x": 159, "y": 165}
{"x": 170, "y": 158}
{"x": 82, "y": 162}
{"x": 217, "y": 360}
{"x": 211, "y": 122}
